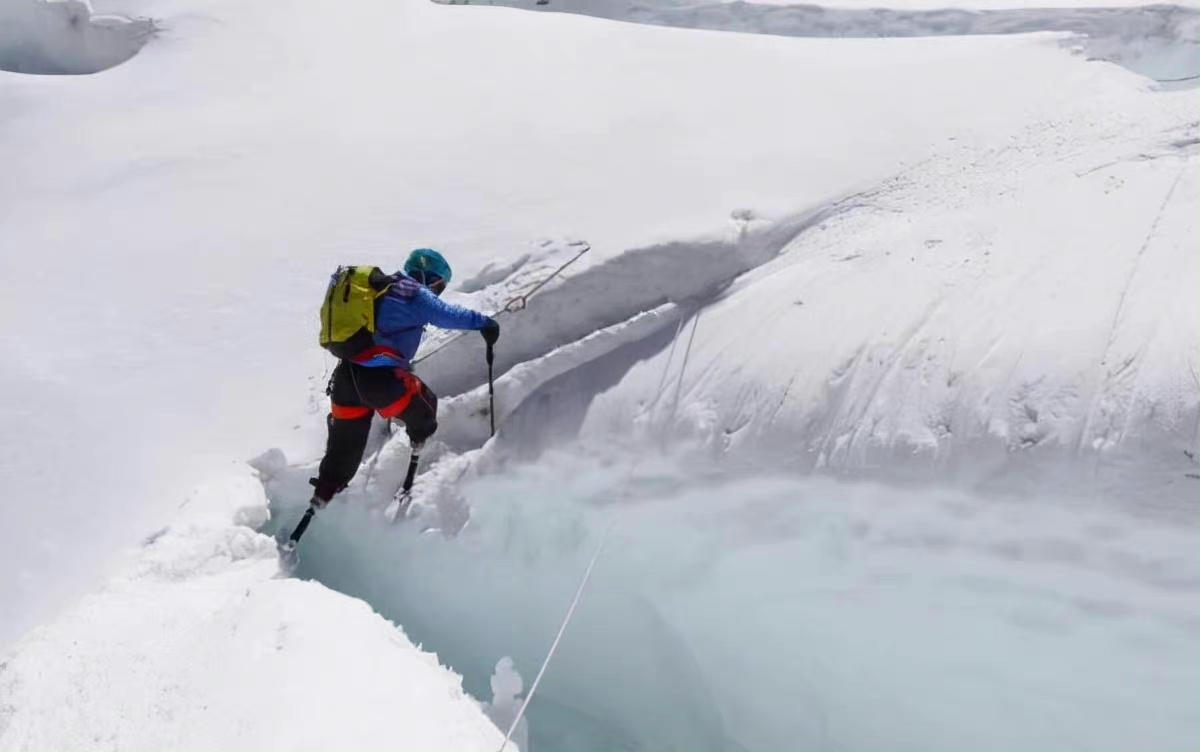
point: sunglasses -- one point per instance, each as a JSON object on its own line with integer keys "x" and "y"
{"x": 436, "y": 284}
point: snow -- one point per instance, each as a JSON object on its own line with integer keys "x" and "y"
{"x": 1160, "y": 41}
{"x": 309, "y": 158}
{"x": 1024, "y": 320}
{"x": 301, "y": 667}
{"x": 964, "y": 259}
{"x": 505, "y": 704}
{"x": 65, "y": 37}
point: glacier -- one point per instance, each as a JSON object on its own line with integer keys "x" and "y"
{"x": 882, "y": 369}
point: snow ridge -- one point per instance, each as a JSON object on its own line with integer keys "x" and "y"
{"x": 964, "y": 233}
{"x": 591, "y": 297}
{"x": 1094, "y": 359}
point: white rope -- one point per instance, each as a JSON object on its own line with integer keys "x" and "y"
{"x": 687, "y": 354}
{"x": 662, "y": 379}
{"x": 587, "y": 574}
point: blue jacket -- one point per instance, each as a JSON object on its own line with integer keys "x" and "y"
{"x": 400, "y": 321}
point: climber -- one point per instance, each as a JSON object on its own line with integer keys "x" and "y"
{"x": 373, "y": 322}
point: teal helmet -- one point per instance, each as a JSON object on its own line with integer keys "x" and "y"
{"x": 424, "y": 264}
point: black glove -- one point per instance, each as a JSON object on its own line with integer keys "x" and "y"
{"x": 490, "y": 332}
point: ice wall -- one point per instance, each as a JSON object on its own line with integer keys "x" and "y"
{"x": 766, "y": 612}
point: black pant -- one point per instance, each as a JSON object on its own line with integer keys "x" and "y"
{"x": 357, "y": 391}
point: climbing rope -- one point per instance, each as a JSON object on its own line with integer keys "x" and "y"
{"x": 687, "y": 354}
{"x": 587, "y": 572}
{"x": 587, "y": 575}
{"x": 513, "y": 305}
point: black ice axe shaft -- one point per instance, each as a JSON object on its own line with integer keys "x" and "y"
{"x": 294, "y": 538}
{"x": 491, "y": 358}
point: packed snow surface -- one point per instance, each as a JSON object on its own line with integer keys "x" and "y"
{"x": 968, "y": 261}
{"x": 199, "y": 644}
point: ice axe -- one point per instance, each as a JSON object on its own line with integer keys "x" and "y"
{"x": 491, "y": 359}
{"x": 289, "y": 560}
{"x": 294, "y": 538}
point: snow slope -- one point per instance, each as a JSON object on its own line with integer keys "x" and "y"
{"x": 1018, "y": 328}
{"x": 131, "y": 666}
{"x": 1041, "y": 300}
{"x": 236, "y": 151}
{"x": 184, "y": 209}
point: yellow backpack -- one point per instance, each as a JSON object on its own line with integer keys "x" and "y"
{"x": 348, "y": 313}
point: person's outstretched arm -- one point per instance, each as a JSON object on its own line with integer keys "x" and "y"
{"x": 447, "y": 315}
